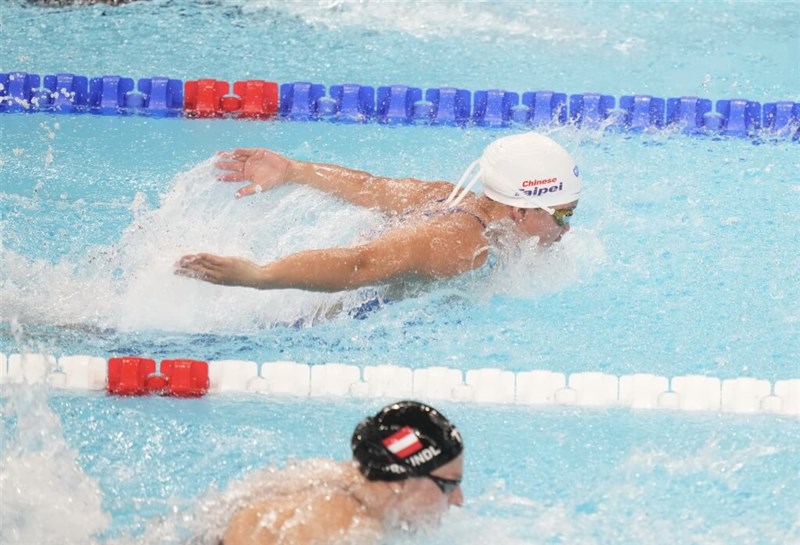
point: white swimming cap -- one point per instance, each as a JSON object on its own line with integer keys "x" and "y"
{"x": 527, "y": 170}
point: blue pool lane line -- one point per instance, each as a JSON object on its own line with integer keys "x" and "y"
{"x": 395, "y": 104}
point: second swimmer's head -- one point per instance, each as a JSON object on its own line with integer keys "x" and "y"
{"x": 406, "y": 439}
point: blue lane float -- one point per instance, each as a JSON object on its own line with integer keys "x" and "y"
{"x": 688, "y": 112}
{"x": 69, "y": 93}
{"x": 18, "y": 90}
{"x": 449, "y": 106}
{"x": 545, "y": 107}
{"x": 350, "y": 102}
{"x": 393, "y": 104}
{"x": 782, "y": 117}
{"x": 642, "y": 112}
{"x": 590, "y": 110}
{"x": 161, "y": 96}
{"x": 110, "y": 94}
{"x": 740, "y": 117}
{"x": 300, "y": 100}
{"x": 494, "y": 107}
{"x": 396, "y": 103}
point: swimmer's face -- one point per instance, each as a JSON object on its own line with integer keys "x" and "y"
{"x": 535, "y": 222}
{"x": 423, "y": 501}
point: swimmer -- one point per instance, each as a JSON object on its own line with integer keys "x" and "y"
{"x": 530, "y": 188}
{"x": 406, "y": 471}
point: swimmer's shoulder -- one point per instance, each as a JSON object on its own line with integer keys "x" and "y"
{"x": 339, "y": 518}
{"x": 424, "y": 195}
{"x": 327, "y": 517}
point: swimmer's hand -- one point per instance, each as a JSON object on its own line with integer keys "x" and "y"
{"x": 264, "y": 169}
{"x": 226, "y": 271}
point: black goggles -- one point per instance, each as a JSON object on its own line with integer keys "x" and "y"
{"x": 445, "y": 485}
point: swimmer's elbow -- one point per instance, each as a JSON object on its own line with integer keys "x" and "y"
{"x": 366, "y": 268}
{"x": 372, "y": 266}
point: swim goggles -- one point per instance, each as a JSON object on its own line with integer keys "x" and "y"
{"x": 445, "y": 485}
{"x": 561, "y": 216}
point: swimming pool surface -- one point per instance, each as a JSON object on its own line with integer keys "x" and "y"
{"x": 682, "y": 259}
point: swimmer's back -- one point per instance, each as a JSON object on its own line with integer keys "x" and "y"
{"x": 438, "y": 209}
{"x": 332, "y": 518}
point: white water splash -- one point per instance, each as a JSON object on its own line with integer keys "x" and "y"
{"x": 131, "y": 285}
{"x": 46, "y": 497}
{"x": 479, "y": 19}
{"x": 534, "y": 271}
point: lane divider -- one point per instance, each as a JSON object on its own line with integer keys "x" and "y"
{"x": 194, "y": 378}
{"x": 134, "y": 376}
{"x": 393, "y": 104}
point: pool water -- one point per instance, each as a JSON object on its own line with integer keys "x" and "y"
{"x": 682, "y": 259}
{"x": 671, "y": 267}
{"x": 151, "y": 470}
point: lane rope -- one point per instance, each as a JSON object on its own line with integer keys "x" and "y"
{"x": 392, "y": 104}
{"x": 133, "y": 375}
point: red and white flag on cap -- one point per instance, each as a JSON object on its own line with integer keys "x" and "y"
{"x": 402, "y": 443}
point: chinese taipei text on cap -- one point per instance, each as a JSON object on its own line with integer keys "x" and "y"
{"x": 528, "y": 170}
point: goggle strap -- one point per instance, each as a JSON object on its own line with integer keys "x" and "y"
{"x": 452, "y": 200}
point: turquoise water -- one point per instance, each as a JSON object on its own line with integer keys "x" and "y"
{"x": 148, "y": 470}
{"x": 701, "y": 48}
{"x": 682, "y": 259}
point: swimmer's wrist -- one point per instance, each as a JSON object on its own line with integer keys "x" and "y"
{"x": 263, "y": 280}
{"x": 294, "y": 171}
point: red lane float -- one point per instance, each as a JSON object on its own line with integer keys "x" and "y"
{"x": 128, "y": 376}
{"x": 134, "y": 376}
{"x": 185, "y": 378}
{"x": 212, "y": 98}
{"x": 230, "y": 104}
{"x": 259, "y": 98}
{"x": 203, "y": 97}
{"x": 156, "y": 383}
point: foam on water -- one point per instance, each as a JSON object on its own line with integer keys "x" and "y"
{"x": 130, "y": 285}
{"x": 442, "y": 19}
{"x": 558, "y": 267}
{"x": 46, "y": 498}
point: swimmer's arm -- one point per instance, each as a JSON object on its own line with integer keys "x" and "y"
{"x": 391, "y": 195}
{"x": 265, "y": 169}
{"x": 423, "y": 251}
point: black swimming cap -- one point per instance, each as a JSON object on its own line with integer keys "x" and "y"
{"x": 405, "y": 439}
